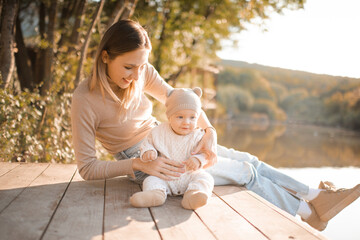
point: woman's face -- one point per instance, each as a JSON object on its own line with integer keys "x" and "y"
{"x": 127, "y": 67}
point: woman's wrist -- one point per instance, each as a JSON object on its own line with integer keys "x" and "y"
{"x": 136, "y": 164}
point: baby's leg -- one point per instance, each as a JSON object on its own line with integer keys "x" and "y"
{"x": 153, "y": 194}
{"x": 199, "y": 190}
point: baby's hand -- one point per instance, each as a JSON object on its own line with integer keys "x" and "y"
{"x": 148, "y": 156}
{"x": 192, "y": 164}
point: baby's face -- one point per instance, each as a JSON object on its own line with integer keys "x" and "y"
{"x": 183, "y": 122}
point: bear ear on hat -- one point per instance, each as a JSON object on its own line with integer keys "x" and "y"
{"x": 197, "y": 91}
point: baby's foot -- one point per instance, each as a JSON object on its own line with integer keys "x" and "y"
{"x": 194, "y": 199}
{"x": 150, "y": 198}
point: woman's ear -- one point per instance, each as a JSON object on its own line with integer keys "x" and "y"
{"x": 197, "y": 91}
{"x": 104, "y": 56}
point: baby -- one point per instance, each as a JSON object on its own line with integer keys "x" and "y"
{"x": 175, "y": 140}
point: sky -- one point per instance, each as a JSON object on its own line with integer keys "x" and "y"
{"x": 323, "y": 38}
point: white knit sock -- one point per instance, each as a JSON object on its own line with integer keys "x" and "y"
{"x": 312, "y": 194}
{"x": 304, "y": 210}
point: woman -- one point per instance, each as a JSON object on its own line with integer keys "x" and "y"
{"x": 111, "y": 106}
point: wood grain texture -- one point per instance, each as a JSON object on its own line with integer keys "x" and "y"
{"x": 121, "y": 219}
{"x": 262, "y": 216}
{"x": 80, "y": 213}
{"x": 225, "y": 222}
{"x": 175, "y": 222}
{"x": 31, "y": 211}
{"x": 15, "y": 181}
{"x": 52, "y": 201}
{"x": 6, "y": 167}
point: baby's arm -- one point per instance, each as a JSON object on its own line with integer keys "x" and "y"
{"x": 195, "y": 162}
{"x": 147, "y": 150}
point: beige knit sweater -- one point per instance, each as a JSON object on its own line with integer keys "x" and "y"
{"x": 92, "y": 117}
{"x": 166, "y": 143}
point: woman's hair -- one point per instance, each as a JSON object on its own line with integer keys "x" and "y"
{"x": 122, "y": 37}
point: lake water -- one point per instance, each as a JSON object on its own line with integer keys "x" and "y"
{"x": 293, "y": 146}
{"x": 309, "y": 154}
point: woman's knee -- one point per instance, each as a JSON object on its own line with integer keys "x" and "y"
{"x": 249, "y": 174}
{"x": 235, "y": 154}
{"x": 228, "y": 171}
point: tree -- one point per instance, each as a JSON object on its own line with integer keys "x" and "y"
{"x": 7, "y": 60}
{"x": 24, "y": 71}
{"x": 55, "y": 44}
{"x": 87, "y": 41}
{"x": 49, "y": 52}
{"x": 186, "y": 34}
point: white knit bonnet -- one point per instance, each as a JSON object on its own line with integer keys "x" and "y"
{"x": 183, "y": 98}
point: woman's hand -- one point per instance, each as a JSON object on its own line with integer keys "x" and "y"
{"x": 207, "y": 146}
{"x": 161, "y": 167}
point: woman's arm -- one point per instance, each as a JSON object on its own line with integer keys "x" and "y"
{"x": 208, "y": 143}
{"x": 84, "y": 121}
{"x": 155, "y": 84}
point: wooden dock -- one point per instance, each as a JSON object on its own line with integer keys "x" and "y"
{"x": 51, "y": 201}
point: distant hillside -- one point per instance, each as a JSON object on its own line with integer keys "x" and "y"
{"x": 288, "y": 95}
{"x": 241, "y": 64}
{"x": 319, "y": 83}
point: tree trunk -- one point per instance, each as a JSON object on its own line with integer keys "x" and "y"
{"x": 7, "y": 58}
{"x": 86, "y": 43}
{"x": 49, "y": 53}
{"x": 40, "y": 54}
{"x": 1, "y": 5}
{"x": 22, "y": 59}
{"x": 129, "y": 9}
{"x": 65, "y": 15}
{"x": 116, "y": 14}
{"x": 79, "y": 19}
{"x": 173, "y": 77}
{"x": 157, "y": 52}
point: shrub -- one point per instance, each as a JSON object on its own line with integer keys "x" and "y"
{"x": 35, "y": 128}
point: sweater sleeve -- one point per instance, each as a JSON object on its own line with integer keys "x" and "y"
{"x": 201, "y": 158}
{"x": 199, "y": 133}
{"x": 147, "y": 145}
{"x": 84, "y": 123}
{"x": 155, "y": 85}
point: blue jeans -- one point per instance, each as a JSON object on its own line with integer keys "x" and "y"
{"x": 132, "y": 152}
{"x": 241, "y": 168}
{"x": 235, "y": 167}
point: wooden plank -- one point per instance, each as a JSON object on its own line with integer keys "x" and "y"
{"x": 31, "y": 211}
{"x": 289, "y": 216}
{"x": 38, "y": 201}
{"x": 6, "y": 167}
{"x": 175, "y": 222}
{"x": 225, "y": 223}
{"x": 263, "y": 217}
{"x": 15, "y": 181}
{"x": 121, "y": 219}
{"x": 80, "y": 213}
